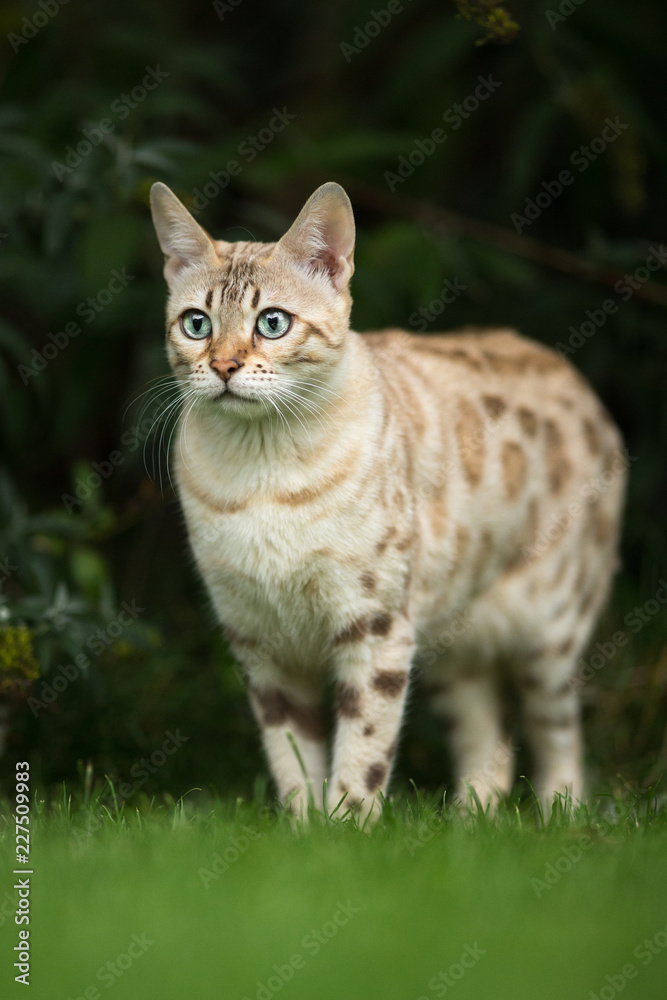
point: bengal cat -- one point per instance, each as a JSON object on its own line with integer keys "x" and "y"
{"x": 348, "y": 497}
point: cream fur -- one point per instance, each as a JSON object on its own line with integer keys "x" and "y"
{"x": 348, "y": 496}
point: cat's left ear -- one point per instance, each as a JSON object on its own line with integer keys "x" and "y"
{"x": 181, "y": 238}
{"x": 322, "y": 237}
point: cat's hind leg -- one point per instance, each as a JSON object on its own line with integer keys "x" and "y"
{"x": 464, "y": 695}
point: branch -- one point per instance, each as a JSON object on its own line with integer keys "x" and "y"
{"x": 430, "y": 216}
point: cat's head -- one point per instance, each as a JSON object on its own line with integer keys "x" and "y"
{"x": 250, "y": 324}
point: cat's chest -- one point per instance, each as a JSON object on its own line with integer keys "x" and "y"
{"x": 274, "y": 568}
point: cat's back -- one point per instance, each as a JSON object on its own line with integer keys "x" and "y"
{"x": 470, "y": 354}
{"x": 498, "y": 372}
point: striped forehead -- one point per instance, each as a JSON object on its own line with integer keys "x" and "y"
{"x": 239, "y": 275}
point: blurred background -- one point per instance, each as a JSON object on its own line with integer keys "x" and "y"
{"x": 518, "y": 154}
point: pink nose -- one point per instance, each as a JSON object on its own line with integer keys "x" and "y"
{"x": 225, "y": 367}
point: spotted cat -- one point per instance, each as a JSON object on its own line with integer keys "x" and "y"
{"x": 351, "y": 498}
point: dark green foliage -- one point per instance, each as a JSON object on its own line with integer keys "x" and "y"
{"x": 83, "y": 291}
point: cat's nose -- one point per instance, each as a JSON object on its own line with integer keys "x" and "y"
{"x": 225, "y": 367}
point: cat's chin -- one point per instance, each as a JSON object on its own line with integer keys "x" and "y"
{"x": 232, "y": 402}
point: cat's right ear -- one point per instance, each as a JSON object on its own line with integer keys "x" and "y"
{"x": 181, "y": 238}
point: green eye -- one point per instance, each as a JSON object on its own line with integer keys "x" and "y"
{"x": 273, "y": 323}
{"x": 196, "y": 324}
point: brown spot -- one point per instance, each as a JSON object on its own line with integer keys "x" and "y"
{"x": 431, "y": 345}
{"x": 255, "y": 299}
{"x": 390, "y": 682}
{"x": 465, "y": 358}
{"x": 369, "y": 582}
{"x": 209, "y": 298}
{"x": 380, "y": 624}
{"x": 528, "y": 421}
{"x": 353, "y": 632}
{"x": 375, "y": 776}
{"x": 391, "y": 750}
{"x": 514, "y": 468}
{"x": 348, "y": 701}
{"x": 278, "y": 709}
{"x": 369, "y": 730}
{"x": 592, "y": 437}
{"x": 518, "y": 362}
{"x": 384, "y": 541}
{"x": 494, "y": 405}
{"x": 557, "y": 462}
{"x": 460, "y": 547}
{"x": 470, "y": 434}
{"x": 565, "y": 402}
{"x": 565, "y": 647}
{"x": 404, "y": 543}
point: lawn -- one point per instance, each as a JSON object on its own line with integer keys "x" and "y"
{"x": 215, "y": 900}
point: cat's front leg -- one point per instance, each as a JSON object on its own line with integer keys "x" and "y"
{"x": 289, "y": 714}
{"x": 372, "y": 668}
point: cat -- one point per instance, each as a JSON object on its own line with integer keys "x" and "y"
{"x": 357, "y": 504}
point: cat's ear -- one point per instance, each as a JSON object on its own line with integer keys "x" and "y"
{"x": 322, "y": 237}
{"x": 181, "y": 238}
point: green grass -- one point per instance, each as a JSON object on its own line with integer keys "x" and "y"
{"x": 393, "y": 908}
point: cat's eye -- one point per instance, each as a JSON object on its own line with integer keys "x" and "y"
{"x": 273, "y": 323}
{"x": 196, "y": 324}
